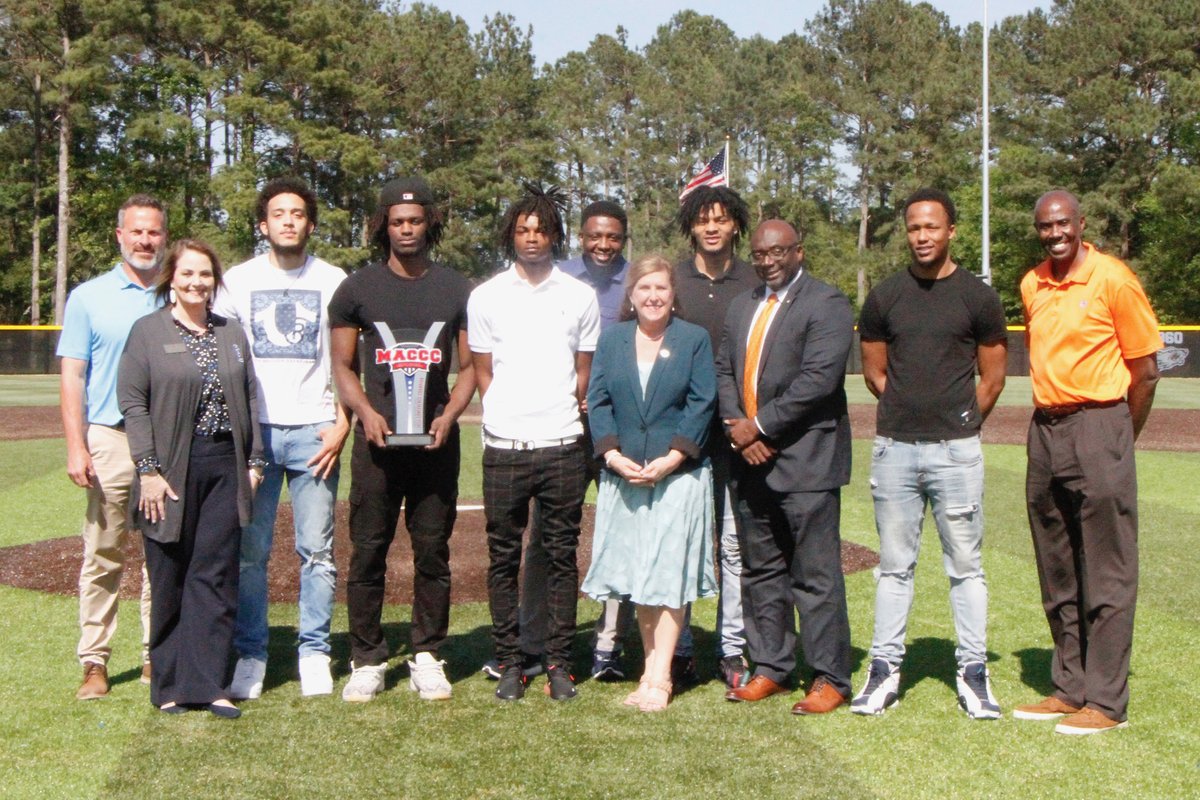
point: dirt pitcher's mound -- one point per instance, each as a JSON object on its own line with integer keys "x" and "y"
{"x": 53, "y": 565}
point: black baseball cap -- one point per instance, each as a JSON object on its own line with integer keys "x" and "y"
{"x": 405, "y": 190}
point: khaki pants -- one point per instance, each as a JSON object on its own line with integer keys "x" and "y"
{"x": 103, "y": 545}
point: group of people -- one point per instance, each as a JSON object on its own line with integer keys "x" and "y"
{"x": 706, "y": 399}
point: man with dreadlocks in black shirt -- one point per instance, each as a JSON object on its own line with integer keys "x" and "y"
{"x": 532, "y": 334}
{"x": 714, "y": 219}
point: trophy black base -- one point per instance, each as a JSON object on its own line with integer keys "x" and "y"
{"x": 409, "y": 440}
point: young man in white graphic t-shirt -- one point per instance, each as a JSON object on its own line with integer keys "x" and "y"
{"x": 281, "y": 299}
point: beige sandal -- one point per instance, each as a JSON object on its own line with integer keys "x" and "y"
{"x": 650, "y": 702}
{"x": 634, "y": 698}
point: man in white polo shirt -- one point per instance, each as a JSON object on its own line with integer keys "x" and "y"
{"x": 532, "y": 334}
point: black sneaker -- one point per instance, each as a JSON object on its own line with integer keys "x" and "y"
{"x": 512, "y": 683}
{"x": 531, "y": 664}
{"x": 736, "y": 671}
{"x": 683, "y": 672}
{"x": 606, "y": 666}
{"x": 560, "y": 684}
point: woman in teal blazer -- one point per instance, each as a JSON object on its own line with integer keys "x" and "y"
{"x": 651, "y": 399}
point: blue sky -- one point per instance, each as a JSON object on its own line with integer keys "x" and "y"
{"x": 560, "y": 26}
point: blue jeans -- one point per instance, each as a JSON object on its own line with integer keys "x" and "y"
{"x": 288, "y": 449}
{"x": 947, "y": 477}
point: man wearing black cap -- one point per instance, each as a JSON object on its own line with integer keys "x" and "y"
{"x": 411, "y": 315}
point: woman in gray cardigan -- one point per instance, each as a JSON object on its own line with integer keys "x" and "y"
{"x": 187, "y": 390}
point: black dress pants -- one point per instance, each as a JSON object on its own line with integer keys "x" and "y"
{"x": 194, "y": 582}
{"x": 792, "y": 561}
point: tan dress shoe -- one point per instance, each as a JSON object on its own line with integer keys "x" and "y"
{"x": 95, "y": 682}
{"x": 1088, "y": 720}
{"x": 760, "y": 687}
{"x": 1050, "y": 708}
{"x": 821, "y": 698}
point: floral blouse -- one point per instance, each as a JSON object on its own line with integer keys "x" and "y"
{"x": 212, "y": 415}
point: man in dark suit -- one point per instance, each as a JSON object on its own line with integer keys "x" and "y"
{"x": 781, "y": 376}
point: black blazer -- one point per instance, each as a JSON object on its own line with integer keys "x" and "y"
{"x": 681, "y": 394}
{"x": 801, "y": 385}
{"x": 158, "y": 389}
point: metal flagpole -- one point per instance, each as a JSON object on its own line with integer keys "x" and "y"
{"x": 986, "y": 159}
{"x": 728, "y": 164}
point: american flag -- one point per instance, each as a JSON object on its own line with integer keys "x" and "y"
{"x": 713, "y": 174}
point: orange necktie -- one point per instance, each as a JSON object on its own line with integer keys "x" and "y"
{"x": 753, "y": 351}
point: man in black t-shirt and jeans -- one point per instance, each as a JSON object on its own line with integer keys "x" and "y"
{"x": 411, "y": 315}
{"x": 924, "y": 331}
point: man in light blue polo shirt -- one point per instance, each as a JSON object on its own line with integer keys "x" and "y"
{"x": 97, "y": 321}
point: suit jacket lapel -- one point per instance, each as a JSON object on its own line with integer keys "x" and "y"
{"x": 629, "y": 367}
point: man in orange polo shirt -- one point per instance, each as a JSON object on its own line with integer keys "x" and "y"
{"x": 1092, "y": 339}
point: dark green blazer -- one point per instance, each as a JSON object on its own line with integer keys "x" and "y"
{"x": 680, "y": 399}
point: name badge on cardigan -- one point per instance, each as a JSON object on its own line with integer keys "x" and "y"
{"x": 178, "y": 347}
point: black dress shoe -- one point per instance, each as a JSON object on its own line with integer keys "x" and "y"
{"x": 174, "y": 709}
{"x": 560, "y": 684}
{"x": 224, "y": 712}
{"x": 512, "y": 682}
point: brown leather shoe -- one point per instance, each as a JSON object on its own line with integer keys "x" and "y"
{"x": 821, "y": 698}
{"x": 145, "y": 672}
{"x": 1088, "y": 720}
{"x": 759, "y": 688}
{"x": 1050, "y": 708}
{"x": 95, "y": 681}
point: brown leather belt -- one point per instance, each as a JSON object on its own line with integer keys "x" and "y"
{"x": 1058, "y": 412}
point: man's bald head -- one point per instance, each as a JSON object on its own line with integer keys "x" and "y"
{"x": 779, "y": 226}
{"x": 1059, "y": 227}
{"x": 1061, "y": 196}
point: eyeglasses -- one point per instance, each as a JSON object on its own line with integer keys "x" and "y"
{"x": 776, "y": 253}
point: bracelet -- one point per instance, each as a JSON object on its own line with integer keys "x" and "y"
{"x": 148, "y": 466}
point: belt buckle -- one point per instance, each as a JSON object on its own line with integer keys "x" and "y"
{"x": 523, "y": 445}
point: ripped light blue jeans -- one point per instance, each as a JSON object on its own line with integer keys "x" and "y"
{"x": 947, "y": 477}
{"x": 288, "y": 449}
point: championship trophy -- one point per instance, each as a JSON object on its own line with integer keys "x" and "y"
{"x": 409, "y": 363}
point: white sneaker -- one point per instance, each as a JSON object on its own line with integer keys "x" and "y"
{"x": 248, "y": 679}
{"x": 364, "y": 683}
{"x": 975, "y": 692}
{"x": 427, "y": 679}
{"x": 881, "y": 690}
{"x": 314, "y": 675}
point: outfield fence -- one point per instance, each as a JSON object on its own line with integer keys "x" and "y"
{"x": 29, "y": 350}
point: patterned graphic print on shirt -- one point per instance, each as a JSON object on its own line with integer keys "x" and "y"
{"x": 286, "y": 323}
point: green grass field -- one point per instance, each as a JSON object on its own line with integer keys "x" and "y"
{"x": 286, "y": 746}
